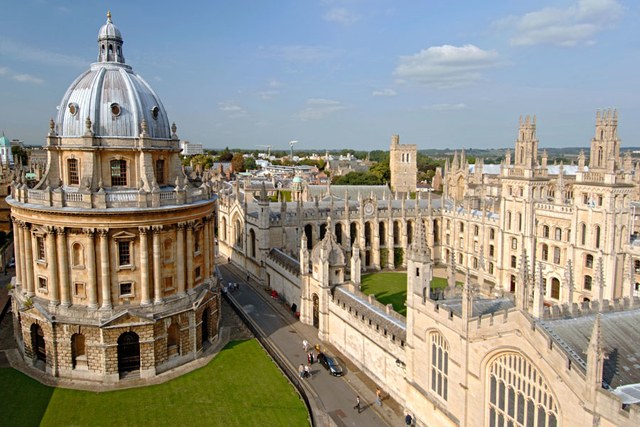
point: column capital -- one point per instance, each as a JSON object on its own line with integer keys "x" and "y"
{"x": 144, "y": 230}
{"x": 156, "y": 229}
{"x": 181, "y": 226}
{"x": 61, "y": 231}
{"x": 49, "y": 229}
{"x": 191, "y": 224}
{"x": 103, "y": 232}
{"x": 89, "y": 231}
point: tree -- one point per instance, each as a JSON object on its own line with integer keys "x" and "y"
{"x": 357, "y": 178}
{"x": 382, "y": 170}
{"x": 19, "y": 154}
{"x": 237, "y": 161}
{"x": 250, "y": 163}
{"x": 226, "y": 155}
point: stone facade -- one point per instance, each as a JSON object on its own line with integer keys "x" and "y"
{"x": 527, "y": 338}
{"x": 403, "y": 164}
{"x": 114, "y": 259}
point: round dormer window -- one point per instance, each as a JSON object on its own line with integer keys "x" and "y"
{"x": 73, "y": 108}
{"x": 154, "y": 112}
{"x": 115, "y": 109}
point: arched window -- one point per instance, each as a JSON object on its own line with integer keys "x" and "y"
{"x": 519, "y": 216}
{"x": 252, "y": 243}
{"x": 160, "y": 171}
{"x": 77, "y": 255}
{"x": 583, "y": 234}
{"x": 173, "y": 340}
{"x": 118, "y": 172}
{"x": 514, "y": 261}
{"x": 367, "y": 234}
{"x": 588, "y": 261}
{"x": 462, "y": 227}
{"x": 555, "y": 288}
{"x": 518, "y": 395}
{"x": 558, "y": 234}
{"x": 396, "y": 233}
{"x": 597, "y": 235}
{"x": 587, "y": 282}
{"x": 545, "y": 252}
{"x": 237, "y": 228}
{"x": 439, "y": 365}
{"x": 545, "y": 231}
{"x": 78, "y": 352}
{"x": 382, "y": 235}
{"x": 224, "y": 229}
{"x": 72, "y": 172}
{"x": 556, "y": 255}
{"x": 409, "y": 232}
{"x": 508, "y": 220}
{"x": 476, "y": 230}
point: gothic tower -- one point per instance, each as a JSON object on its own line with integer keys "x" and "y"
{"x": 404, "y": 166}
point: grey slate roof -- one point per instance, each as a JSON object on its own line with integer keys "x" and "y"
{"x": 481, "y": 307}
{"x": 621, "y": 340}
{"x": 338, "y": 191}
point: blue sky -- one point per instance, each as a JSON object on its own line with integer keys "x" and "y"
{"x": 340, "y": 73}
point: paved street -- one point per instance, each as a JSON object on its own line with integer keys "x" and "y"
{"x": 334, "y": 396}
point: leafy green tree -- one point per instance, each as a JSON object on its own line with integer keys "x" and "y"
{"x": 357, "y": 178}
{"x": 382, "y": 170}
{"x": 226, "y": 155}
{"x": 250, "y": 163}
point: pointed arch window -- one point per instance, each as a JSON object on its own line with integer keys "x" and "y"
{"x": 597, "y": 236}
{"x": 518, "y": 395}
{"x": 439, "y": 365}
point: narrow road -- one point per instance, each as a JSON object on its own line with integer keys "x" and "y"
{"x": 334, "y": 395}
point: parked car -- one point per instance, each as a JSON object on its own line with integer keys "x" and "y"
{"x": 331, "y": 364}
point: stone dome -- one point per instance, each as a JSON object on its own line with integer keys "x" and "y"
{"x": 112, "y": 96}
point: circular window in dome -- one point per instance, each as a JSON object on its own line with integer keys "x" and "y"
{"x": 73, "y": 108}
{"x": 115, "y": 109}
{"x": 154, "y": 112}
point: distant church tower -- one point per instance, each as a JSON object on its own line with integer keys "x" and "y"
{"x": 404, "y": 166}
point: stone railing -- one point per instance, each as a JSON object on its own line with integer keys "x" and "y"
{"x": 103, "y": 199}
{"x": 554, "y": 208}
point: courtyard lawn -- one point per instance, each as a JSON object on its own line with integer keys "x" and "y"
{"x": 388, "y": 288}
{"x": 241, "y": 386}
{"x": 391, "y": 288}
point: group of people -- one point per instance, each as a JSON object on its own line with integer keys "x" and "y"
{"x": 232, "y": 286}
{"x": 378, "y": 400}
{"x": 304, "y": 370}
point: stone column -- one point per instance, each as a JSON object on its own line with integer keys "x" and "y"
{"x": 189, "y": 253}
{"x": 157, "y": 265}
{"x": 28, "y": 251}
{"x": 375, "y": 244}
{"x": 212, "y": 242}
{"x": 180, "y": 257}
{"x": 52, "y": 267}
{"x": 404, "y": 240}
{"x": 104, "y": 269}
{"x": 63, "y": 262}
{"x": 18, "y": 249}
{"x": 390, "y": 245}
{"x": 207, "y": 249}
{"x": 145, "y": 299}
{"x": 92, "y": 287}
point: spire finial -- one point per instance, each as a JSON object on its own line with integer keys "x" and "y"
{"x": 108, "y": 16}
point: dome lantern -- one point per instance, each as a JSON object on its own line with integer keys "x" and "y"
{"x": 110, "y": 43}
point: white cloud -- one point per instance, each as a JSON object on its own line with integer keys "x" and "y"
{"x": 275, "y": 83}
{"x": 234, "y": 111}
{"x": 22, "y": 78}
{"x": 341, "y": 15}
{"x": 27, "y": 78}
{"x": 446, "y": 66}
{"x": 317, "y": 108}
{"x": 27, "y": 53}
{"x": 446, "y": 107}
{"x": 569, "y": 26}
{"x": 384, "y": 92}
{"x": 300, "y": 53}
{"x": 268, "y": 94}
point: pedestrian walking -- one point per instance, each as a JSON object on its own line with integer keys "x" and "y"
{"x": 357, "y": 405}
{"x": 378, "y": 397}
{"x": 408, "y": 420}
{"x": 305, "y": 345}
{"x": 301, "y": 370}
{"x": 307, "y": 371}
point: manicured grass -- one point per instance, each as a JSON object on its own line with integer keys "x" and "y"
{"x": 388, "y": 288}
{"x": 391, "y": 288}
{"x": 241, "y": 386}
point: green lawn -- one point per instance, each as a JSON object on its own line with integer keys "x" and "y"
{"x": 241, "y": 386}
{"x": 391, "y": 288}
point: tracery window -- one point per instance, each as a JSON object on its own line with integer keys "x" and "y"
{"x": 439, "y": 365}
{"x": 518, "y": 395}
{"x": 587, "y": 282}
{"x": 588, "y": 261}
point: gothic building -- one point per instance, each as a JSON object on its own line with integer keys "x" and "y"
{"x": 542, "y": 331}
{"x": 114, "y": 259}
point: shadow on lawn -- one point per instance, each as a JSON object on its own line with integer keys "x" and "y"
{"x": 24, "y": 399}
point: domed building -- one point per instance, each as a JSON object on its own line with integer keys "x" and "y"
{"x": 114, "y": 266}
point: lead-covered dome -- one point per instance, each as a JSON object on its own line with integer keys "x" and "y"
{"x": 112, "y": 96}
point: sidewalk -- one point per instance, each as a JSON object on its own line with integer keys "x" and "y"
{"x": 390, "y": 412}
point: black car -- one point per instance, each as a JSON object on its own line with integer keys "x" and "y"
{"x": 331, "y": 364}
